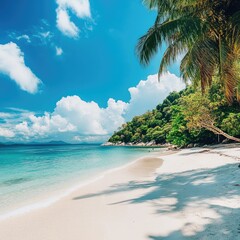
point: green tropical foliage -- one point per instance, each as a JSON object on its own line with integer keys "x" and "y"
{"x": 176, "y": 120}
{"x": 199, "y": 111}
{"x": 205, "y": 32}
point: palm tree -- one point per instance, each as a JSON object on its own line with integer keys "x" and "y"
{"x": 205, "y": 32}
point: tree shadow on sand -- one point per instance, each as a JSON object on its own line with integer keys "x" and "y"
{"x": 212, "y": 190}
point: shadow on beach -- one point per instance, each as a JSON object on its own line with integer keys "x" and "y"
{"x": 183, "y": 193}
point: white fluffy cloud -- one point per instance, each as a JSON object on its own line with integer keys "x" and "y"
{"x": 72, "y": 118}
{"x": 148, "y": 93}
{"x": 76, "y": 120}
{"x": 80, "y": 8}
{"x": 6, "y": 133}
{"x": 65, "y": 25}
{"x": 43, "y": 125}
{"x": 88, "y": 117}
{"x": 12, "y": 64}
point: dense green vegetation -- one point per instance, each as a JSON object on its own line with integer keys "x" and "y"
{"x": 205, "y": 33}
{"x": 174, "y": 121}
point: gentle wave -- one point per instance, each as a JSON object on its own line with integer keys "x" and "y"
{"x": 106, "y": 160}
{"x": 50, "y": 201}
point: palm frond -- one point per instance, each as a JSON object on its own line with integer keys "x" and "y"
{"x": 238, "y": 91}
{"x": 148, "y": 45}
{"x": 230, "y": 83}
{"x": 178, "y": 47}
{"x": 200, "y": 62}
{"x": 165, "y": 32}
{"x": 207, "y": 30}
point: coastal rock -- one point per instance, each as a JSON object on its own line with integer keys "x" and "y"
{"x": 196, "y": 145}
{"x": 119, "y": 144}
{"x": 108, "y": 144}
{"x": 151, "y": 143}
{"x": 172, "y": 147}
{"x": 140, "y": 144}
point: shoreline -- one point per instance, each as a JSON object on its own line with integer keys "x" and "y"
{"x": 170, "y": 146}
{"x": 46, "y": 202}
{"x": 191, "y": 194}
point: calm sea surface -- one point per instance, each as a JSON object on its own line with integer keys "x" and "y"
{"x": 31, "y": 174}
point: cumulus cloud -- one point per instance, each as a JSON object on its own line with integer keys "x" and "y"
{"x": 65, "y": 25}
{"x": 88, "y": 117}
{"x": 148, "y": 93}
{"x": 12, "y": 64}
{"x": 76, "y": 120}
{"x": 4, "y": 115}
{"x": 85, "y": 115}
{"x": 73, "y": 119}
{"x": 113, "y": 116}
{"x": 6, "y": 133}
{"x": 80, "y": 8}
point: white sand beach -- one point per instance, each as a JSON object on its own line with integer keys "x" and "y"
{"x": 190, "y": 194}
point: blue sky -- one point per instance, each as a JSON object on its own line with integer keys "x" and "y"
{"x": 54, "y": 51}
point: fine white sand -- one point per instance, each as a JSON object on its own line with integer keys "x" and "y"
{"x": 192, "y": 194}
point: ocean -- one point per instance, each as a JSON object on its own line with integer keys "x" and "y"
{"x": 36, "y": 176}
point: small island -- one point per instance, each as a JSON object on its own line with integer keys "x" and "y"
{"x": 184, "y": 119}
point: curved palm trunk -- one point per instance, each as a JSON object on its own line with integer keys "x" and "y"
{"x": 217, "y": 130}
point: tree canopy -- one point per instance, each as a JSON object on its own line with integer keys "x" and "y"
{"x": 180, "y": 120}
{"x": 205, "y": 32}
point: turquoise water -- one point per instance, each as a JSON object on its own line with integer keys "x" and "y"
{"x": 31, "y": 173}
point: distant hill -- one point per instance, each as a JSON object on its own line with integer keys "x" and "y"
{"x": 35, "y": 143}
{"x": 57, "y": 143}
